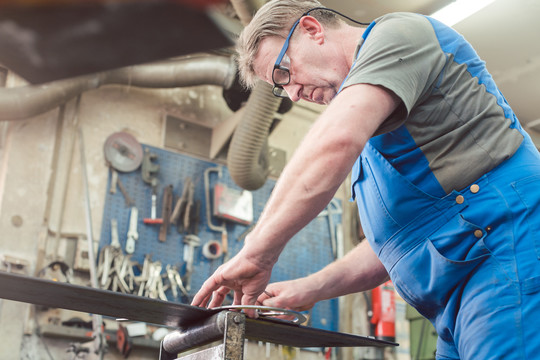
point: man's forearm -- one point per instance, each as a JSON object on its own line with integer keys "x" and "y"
{"x": 318, "y": 167}
{"x": 359, "y": 270}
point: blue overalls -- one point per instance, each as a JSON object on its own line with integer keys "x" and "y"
{"x": 469, "y": 261}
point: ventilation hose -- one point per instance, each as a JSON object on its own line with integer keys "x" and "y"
{"x": 248, "y": 154}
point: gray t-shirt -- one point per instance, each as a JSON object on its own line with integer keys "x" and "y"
{"x": 453, "y": 125}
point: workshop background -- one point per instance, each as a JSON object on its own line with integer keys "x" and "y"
{"x": 75, "y": 124}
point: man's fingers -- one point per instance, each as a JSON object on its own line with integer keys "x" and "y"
{"x": 263, "y": 297}
{"x": 200, "y": 299}
{"x": 203, "y": 295}
{"x": 218, "y": 296}
{"x": 238, "y": 298}
{"x": 249, "y": 300}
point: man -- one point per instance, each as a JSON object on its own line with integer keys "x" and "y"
{"x": 446, "y": 180}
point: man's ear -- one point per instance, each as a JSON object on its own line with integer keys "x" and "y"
{"x": 312, "y": 27}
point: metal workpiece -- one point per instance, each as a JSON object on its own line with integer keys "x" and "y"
{"x": 198, "y": 325}
{"x": 285, "y": 333}
{"x": 97, "y": 301}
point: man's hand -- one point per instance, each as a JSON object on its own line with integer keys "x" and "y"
{"x": 246, "y": 277}
{"x": 297, "y": 295}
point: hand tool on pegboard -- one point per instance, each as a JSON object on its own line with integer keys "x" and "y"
{"x": 166, "y": 212}
{"x": 178, "y": 216}
{"x": 149, "y": 174}
{"x": 189, "y": 212}
{"x": 222, "y": 228}
{"x": 132, "y": 234}
{"x": 186, "y": 216}
{"x": 192, "y": 223}
{"x": 123, "y": 153}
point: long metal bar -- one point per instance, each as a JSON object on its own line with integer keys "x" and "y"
{"x": 97, "y": 320}
{"x": 114, "y": 304}
{"x": 79, "y": 298}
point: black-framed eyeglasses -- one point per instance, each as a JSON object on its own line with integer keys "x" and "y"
{"x": 281, "y": 74}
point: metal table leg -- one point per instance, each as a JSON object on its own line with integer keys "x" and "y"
{"x": 229, "y": 326}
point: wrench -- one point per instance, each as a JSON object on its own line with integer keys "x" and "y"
{"x": 151, "y": 284}
{"x": 132, "y": 234}
{"x": 191, "y": 242}
{"x": 114, "y": 234}
{"x": 175, "y": 282}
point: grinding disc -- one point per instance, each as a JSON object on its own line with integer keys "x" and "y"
{"x": 123, "y": 152}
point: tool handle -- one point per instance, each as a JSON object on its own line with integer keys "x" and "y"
{"x": 224, "y": 242}
{"x": 153, "y": 221}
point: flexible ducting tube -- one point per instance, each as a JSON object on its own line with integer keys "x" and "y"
{"x": 26, "y": 101}
{"x": 247, "y": 158}
{"x": 248, "y": 154}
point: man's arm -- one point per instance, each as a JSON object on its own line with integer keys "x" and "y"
{"x": 359, "y": 270}
{"x": 307, "y": 184}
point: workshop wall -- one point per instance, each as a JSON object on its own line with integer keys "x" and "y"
{"x": 42, "y": 213}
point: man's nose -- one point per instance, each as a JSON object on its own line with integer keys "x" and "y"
{"x": 293, "y": 91}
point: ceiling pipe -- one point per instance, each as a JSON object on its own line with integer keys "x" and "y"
{"x": 27, "y": 101}
{"x": 248, "y": 158}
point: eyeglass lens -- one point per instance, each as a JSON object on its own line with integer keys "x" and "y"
{"x": 281, "y": 74}
{"x": 279, "y": 91}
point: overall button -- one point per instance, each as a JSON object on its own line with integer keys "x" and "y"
{"x": 474, "y": 188}
{"x": 460, "y": 199}
{"x": 478, "y": 233}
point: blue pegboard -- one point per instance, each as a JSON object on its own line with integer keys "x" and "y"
{"x": 308, "y": 251}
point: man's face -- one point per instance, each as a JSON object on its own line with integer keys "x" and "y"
{"x": 315, "y": 77}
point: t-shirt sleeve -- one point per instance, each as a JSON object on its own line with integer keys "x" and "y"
{"x": 402, "y": 54}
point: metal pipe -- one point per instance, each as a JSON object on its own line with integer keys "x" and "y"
{"x": 27, "y": 101}
{"x": 199, "y": 334}
{"x": 97, "y": 319}
{"x": 203, "y": 70}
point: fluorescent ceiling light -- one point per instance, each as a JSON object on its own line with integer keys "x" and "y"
{"x": 459, "y": 10}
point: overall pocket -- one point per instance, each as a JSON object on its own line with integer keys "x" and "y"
{"x": 438, "y": 266}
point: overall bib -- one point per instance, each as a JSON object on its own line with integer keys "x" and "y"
{"x": 469, "y": 261}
